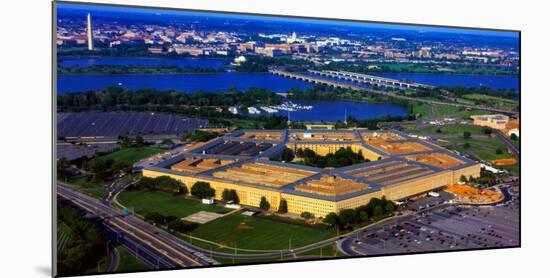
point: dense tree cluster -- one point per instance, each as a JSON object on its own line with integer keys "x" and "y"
{"x": 283, "y": 206}
{"x": 340, "y": 158}
{"x": 172, "y": 223}
{"x": 199, "y": 136}
{"x": 264, "y": 204}
{"x": 262, "y": 64}
{"x": 372, "y": 124}
{"x": 202, "y": 190}
{"x": 103, "y": 169}
{"x": 486, "y": 177}
{"x": 230, "y": 195}
{"x": 84, "y": 245}
{"x": 162, "y": 183}
{"x": 482, "y": 90}
{"x": 62, "y": 165}
{"x": 117, "y": 97}
{"x": 374, "y": 209}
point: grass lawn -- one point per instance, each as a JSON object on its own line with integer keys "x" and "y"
{"x": 424, "y": 110}
{"x": 132, "y": 155}
{"x": 449, "y": 129}
{"x": 259, "y": 233}
{"x": 128, "y": 261}
{"x": 481, "y": 145}
{"x": 227, "y": 261}
{"x": 164, "y": 203}
{"x": 325, "y": 251}
{"x": 88, "y": 187}
{"x": 484, "y": 148}
{"x": 498, "y": 101}
{"x": 514, "y": 169}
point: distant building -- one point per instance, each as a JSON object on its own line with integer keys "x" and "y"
{"x": 240, "y": 59}
{"x": 193, "y": 51}
{"x": 157, "y": 49}
{"x": 268, "y": 51}
{"x": 319, "y": 126}
{"x": 497, "y": 121}
{"x": 89, "y": 33}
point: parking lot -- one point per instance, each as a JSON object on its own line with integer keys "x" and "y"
{"x": 446, "y": 227}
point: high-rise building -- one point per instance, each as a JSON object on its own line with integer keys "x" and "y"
{"x": 89, "y": 33}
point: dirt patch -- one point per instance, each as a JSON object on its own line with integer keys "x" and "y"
{"x": 244, "y": 226}
{"x": 504, "y": 161}
{"x": 472, "y": 195}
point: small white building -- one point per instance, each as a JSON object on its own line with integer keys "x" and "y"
{"x": 513, "y": 131}
{"x": 491, "y": 169}
{"x": 209, "y": 201}
{"x": 433, "y": 194}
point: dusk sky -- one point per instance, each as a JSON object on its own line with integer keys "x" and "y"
{"x": 161, "y": 12}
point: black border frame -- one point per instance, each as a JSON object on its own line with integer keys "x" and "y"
{"x": 54, "y": 121}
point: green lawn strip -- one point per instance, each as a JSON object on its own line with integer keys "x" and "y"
{"x": 128, "y": 261}
{"x": 448, "y": 129}
{"x": 165, "y": 203}
{"x": 468, "y": 113}
{"x": 227, "y": 261}
{"x": 322, "y": 252}
{"x": 480, "y": 144}
{"x": 515, "y": 143}
{"x": 258, "y": 233}
{"x": 483, "y": 148}
{"x": 132, "y": 155}
{"x": 498, "y": 101}
{"x": 88, "y": 187}
{"x": 466, "y": 101}
{"x": 424, "y": 110}
{"x": 444, "y": 110}
{"x": 514, "y": 169}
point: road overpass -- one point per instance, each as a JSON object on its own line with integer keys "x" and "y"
{"x": 145, "y": 235}
{"x": 361, "y": 87}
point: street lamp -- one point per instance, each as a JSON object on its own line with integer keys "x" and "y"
{"x": 137, "y": 246}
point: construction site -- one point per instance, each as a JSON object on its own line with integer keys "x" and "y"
{"x": 249, "y": 161}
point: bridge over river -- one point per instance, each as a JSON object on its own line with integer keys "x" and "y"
{"x": 361, "y": 82}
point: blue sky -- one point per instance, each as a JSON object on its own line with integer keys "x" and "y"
{"x": 160, "y": 12}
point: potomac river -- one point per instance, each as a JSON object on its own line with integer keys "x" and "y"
{"x": 216, "y": 82}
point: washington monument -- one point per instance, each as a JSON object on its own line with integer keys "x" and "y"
{"x": 89, "y": 33}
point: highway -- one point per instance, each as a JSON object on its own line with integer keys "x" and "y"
{"x": 142, "y": 234}
{"x": 508, "y": 142}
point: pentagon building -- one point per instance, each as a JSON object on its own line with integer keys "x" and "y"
{"x": 399, "y": 167}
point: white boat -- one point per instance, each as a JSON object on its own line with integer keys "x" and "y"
{"x": 253, "y": 110}
{"x": 269, "y": 109}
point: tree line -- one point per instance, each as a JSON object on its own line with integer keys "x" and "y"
{"x": 81, "y": 243}
{"x": 115, "y": 97}
{"x": 375, "y": 209}
{"x": 172, "y": 223}
{"x": 134, "y": 69}
{"x": 342, "y": 157}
